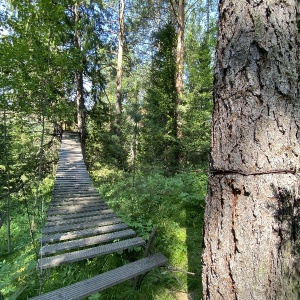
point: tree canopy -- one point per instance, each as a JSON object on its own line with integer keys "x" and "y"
{"x": 59, "y": 70}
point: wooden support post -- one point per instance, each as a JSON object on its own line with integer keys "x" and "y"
{"x": 138, "y": 279}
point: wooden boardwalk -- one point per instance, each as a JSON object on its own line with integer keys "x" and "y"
{"x": 80, "y": 226}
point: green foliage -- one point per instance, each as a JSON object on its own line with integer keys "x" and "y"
{"x": 199, "y": 46}
{"x": 18, "y": 274}
{"x": 158, "y": 140}
{"x": 37, "y": 67}
{"x": 174, "y": 204}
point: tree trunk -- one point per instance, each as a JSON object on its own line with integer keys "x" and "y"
{"x": 7, "y": 168}
{"x": 119, "y": 67}
{"x": 180, "y": 48}
{"x": 81, "y": 112}
{"x": 252, "y": 213}
{"x": 179, "y": 67}
{"x": 178, "y": 7}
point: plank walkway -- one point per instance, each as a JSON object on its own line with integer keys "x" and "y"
{"x": 80, "y": 226}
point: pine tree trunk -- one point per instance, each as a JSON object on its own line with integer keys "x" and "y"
{"x": 80, "y": 106}
{"x": 252, "y": 213}
{"x": 180, "y": 48}
{"x": 120, "y": 67}
{"x": 179, "y": 68}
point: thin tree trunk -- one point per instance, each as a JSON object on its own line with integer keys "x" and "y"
{"x": 179, "y": 75}
{"x": 180, "y": 48}
{"x": 40, "y": 170}
{"x": 253, "y": 210}
{"x": 120, "y": 67}
{"x": 178, "y": 8}
{"x": 208, "y": 15}
{"x": 8, "y": 182}
{"x": 81, "y": 112}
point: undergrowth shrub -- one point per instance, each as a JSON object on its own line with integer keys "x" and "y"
{"x": 174, "y": 204}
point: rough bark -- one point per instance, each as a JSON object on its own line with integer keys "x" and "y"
{"x": 252, "y": 213}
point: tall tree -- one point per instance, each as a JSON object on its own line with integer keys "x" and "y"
{"x": 120, "y": 65}
{"x": 159, "y": 124}
{"x": 81, "y": 111}
{"x": 252, "y": 214}
{"x": 179, "y": 12}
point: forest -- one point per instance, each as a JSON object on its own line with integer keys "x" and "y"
{"x": 188, "y": 116}
{"x": 135, "y": 79}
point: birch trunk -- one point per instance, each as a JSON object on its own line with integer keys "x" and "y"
{"x": 252, "y": 213}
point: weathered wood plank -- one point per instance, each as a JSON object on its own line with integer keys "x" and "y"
{"x": 82, "y": 233}
{"x": 77, "y": 202}
{"x": 60, "y": 195}
{"x": 77, "y": 197}
{"x": 102, "y": 221}
{"x": 53, "y": 261}
{"x": 105, "y": 280}
{"x": 79, "y": 215}
{"x": 57, "y": 218}
{"x": 66, "y": 209}
{"x": 86, "y": 242}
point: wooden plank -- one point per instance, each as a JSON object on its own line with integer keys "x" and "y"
{"x": 103, "y": 220}
{"x": 73, "y": 189}
{"x": 79, "y": 197}
{"x": 82, "y": 233}
{"x": 57, "y": 218}
{"x": 70, "y": 200}
{"x": 75, "y": 219}
{"x": 77, "y": 202}
{"x": 76, "y": 206}
{"x": 53, "y": 261}
{"x": 86, "y": 242}
{"x": 105, "y": 280}
{"x": 70, "y": 209}
{"x": 74, "y": 194}
{"x": 83, "y": 181}
{"x": 73, "y": 183}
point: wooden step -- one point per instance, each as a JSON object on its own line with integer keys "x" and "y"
{"x": 59, "y": 194}
{"x": 71, "y": 209}
{"x": 106, "y": 280}
{"x": 84, "y": 182}
{"x": 75, "y": 184}
{"x": 74, "y": 189}
{"x": 73, "y": 172}
{"x": 86, "y": 242}
{"x": 82, "y": 233}
{"x": 59, "y": 218}
{"x": 77, "y": 197}
{"x": 76, "y": 219}
{"x": 103, "y": 221}
{"x": 53, "y": 261}
{"x": 77, "y": 202}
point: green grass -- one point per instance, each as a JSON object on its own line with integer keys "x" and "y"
{"x": 173, "y": 204}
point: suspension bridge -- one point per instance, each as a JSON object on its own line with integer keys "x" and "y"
{"x": 80, "y": 226}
